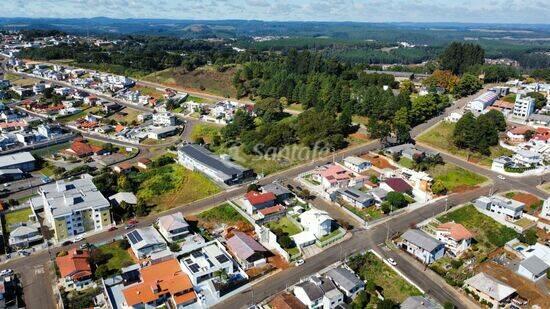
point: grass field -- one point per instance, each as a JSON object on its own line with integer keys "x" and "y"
{"x": 173, "y": 185}
{"x": 285, "y": 225}
{"x": 295, "y": 107}
{"x": 126, "y": 115}
{"x": 149, "y": 91}
{"x": 223, "y": 214}
{"x": 17, "y": 216}
{"x": 456, "y": 178}
{"x": 487, "y": 231}
{"x": 205, "y": 131}
{"x": 85, "y": 111}
{"x": 207, "y": 79}
{"x": 196, "y": 99}
{"x": 405, "y": 162}
{"x": 440, "y": 136}
{"x": 19, "y": 80}
{"x": 118, "y": 257}
{"x": 369, "y": 267}
{"x": 48, "y": 151}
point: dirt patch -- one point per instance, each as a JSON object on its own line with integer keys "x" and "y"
{"x": 278, "y": 261}
{"x": 526, "y": 198}
{"x": 379, "y": 161}
{"x": 524, "y": 287}
{"x": 463, "y": 188}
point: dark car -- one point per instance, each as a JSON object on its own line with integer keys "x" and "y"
{"x": 66, "y": 243}
{"x": 112, "y": 228}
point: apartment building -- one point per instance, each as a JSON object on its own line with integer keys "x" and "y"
{"x": 523, "y": 107}
{"x": 73, "y": 207}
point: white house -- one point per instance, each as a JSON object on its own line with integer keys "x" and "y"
{"x": 454, "y": 117}
{"x": 545, "y": 212}
{"x": 164, "y": 119}
{"x": 317, "y": 222}
{"x": 145, "y": 241}
{"x": 523, "y": 107}
{"x": 202, "y": 263}
{"x": 346, "y": 281}
{"x": 526, "y": 157}
{"x": 499, "y": 206}
{"x": 357, "y": 164}
{"x": 455, "y": 237}
{"x": 533, "y": 268}
{"x": 173, "y": 227}
{"x": 422, "y": 246}
{"x": 490, "y": 289}
{"x": 318, "y": 292}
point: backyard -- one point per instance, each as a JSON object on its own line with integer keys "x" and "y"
{"x": 440, "y": 137}
{"x": 173, "y": 185}
{"x": 286, "y": 225}
{"x": 456, "y": 179}
{"x": 370, "y": 268}
{"x": 368, "y": 213}
{"x": 116, "y": 256}
{"x": 16, "y": 216}
{"x": 224, "y": 214}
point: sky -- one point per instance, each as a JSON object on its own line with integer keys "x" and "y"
{"x": 484, "y": 11}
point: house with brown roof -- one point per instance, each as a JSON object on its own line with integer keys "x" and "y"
{"x": 455, "y": 237}
{"x": 248, "y": 252}
{"x": 143, "y": 163}
{"x": 81, "y": 148}
{"x": 163, "y": 283}
{"x": 286, "y": 300}
{"x": 518, "y": 134}
{"x": 74, "y": 269}
{"x": 396, "y": 184}
{"x": 123, "y": 168}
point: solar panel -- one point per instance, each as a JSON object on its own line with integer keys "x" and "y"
{"x": 196, "y": 254}
{"x": 131, "y": 238}
{"x": 134, "y": 237}
{"x": 194, "y": 268}
{"x": 222, "y": 258}
{"x": 137, "y": 235}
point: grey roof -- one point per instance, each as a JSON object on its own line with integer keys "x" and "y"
{"x": 421, "y": 240}
{"x": 399, "y": 148}
{"x": 381, "y": 193}
{"x": 344, "y": 278}
{"x": 276, "y": 188}
{"x": 539, "y": 117}
{"x": 419, "y": 302}
{"x": 356, "y": 195}
{"x": 312, "y": 291}
{"x": 16, "y": 158}
{"x": 23, "y": 230}
{"x": 127, "y": 197}
{"x": 62, "y": 198}
{"x": 10, "y": 171}
{"x": 205, "y": 157}
{"x": 173, "y": 222}
{"x": 244, "y": 246}
{"x": 161, "y": 130}
{"x": 507, "y": 203}
{"x": 534, "y": 265}
{"x": 355, "y": 160}
{"x": 490, "y": 286}
{"x": 144, "y": 237}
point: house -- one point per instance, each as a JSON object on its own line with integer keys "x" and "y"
{"x": 73, "y": 207}
{"x": 127, "y": 197}
{"x": 255, "y": 201}
{"x": 545, "y": 211}
{"x": 82, "y": 148}
{"x": 25, "y": 236}
{"x": 145, "y": 241}
{"x": 318, "y": 292}
{"x": 526, "y": 157}
{"x": 500, "y": 206}
{"x": 500, "y": 163}
{"x": 173, "y": 227}
{"x": 162, "y": 132}
{"x": 164, "y": 119}
{"x": 286, "y": 300}
{"x": 74, "y": 269}
{"x": 396, "y": 184}
{"x": 539, "y": 119}
{"x": 422, "y": 246}
{"x": 281, "y": 193}
{"x": 196, "y": 157}
{"x": 143, "y": 163}
{"x": 357, "y": 164}
{"x": 523, "y": 107}
{"x": 346, "y": 281}
{"x": 455, "y": 237}
{"x": 248, "y": 252}
{"x": 355, "y": 197}
{"x": 317, "y": 222}
{"x": 489, "y": 289}
{"x": 111, "y": 107}
{"x": 454, "y": 117}
{"x": 206, "y": 262}
{"x": 163, "y": 284}
{"x": 21, "y": 160}
{"x": 11, "y": 174}
{"x": 334, "y": 176}
{"x": 123, "y": 168}
{"x": 419, "y": 302}
{"x": 379, "y": 194}
{"x": 517, "y": 134}
{"x": 483, "y": 101}
{"x": 533, "y": 268}
{"x": 271, "y": 213}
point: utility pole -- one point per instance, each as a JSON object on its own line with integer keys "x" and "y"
{"x": 446, "y": 204}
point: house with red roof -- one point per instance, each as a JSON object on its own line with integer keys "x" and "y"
{"x": 81, "y": 148}
{"x": 75, "y": 269}
{"x": 123, "y": 168}
{"x": 334, "y": 176}
{"x": 396, "y": 184}
{"x": 517, "y": 134}
{"x": 255, "y": 201}
{"x": 542, "y": 134}
{"x": 247, "y": 251}
{"x": 163, "y": 283}
{"x": 455, "y": 237}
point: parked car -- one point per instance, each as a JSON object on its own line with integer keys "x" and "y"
{"x": 24, "y": 252}
{"x": 501, "y": 177}
{"x": 129, "y": 226}
{"x": 6, "y": 272}
{"x": 78, "y": 238}
{"x": 391, "y": 261}
{"x": 133, "y": 221}
{"x": 66, "y": 243}
{"x": 299, "y": 262}
{"x": 112, "y": 228}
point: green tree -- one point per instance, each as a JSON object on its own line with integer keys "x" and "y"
{"x": 396, "y": 200}
{"x": 497, "y": 119}
{"x": 438, "y": 188}
{"x": 141, "y": 208}
{"x": 459, "y": 56}
{"x": 529, "y": 237}
{"x": 540, "y": 99}
{"x": 386, "y": 304}
{"x": 125, "y": 184}
{"x": 464, "y": 133}
{"x": 174, "y": 247}
{"x": 468, "y": 84}
{"x": 102, "y": 271}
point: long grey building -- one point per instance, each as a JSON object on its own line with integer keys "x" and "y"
{"x": 196, "y": 157}
{"x": 21, "y": 160}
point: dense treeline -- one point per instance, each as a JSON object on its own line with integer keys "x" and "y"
{"x": 479, "y": 134}
{"x": 459, "y": 56}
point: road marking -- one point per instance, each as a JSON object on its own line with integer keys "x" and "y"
{"x": 39, "y": 269}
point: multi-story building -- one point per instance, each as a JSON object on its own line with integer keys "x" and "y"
{"x": 422, "y": 246}
{"x": 173, "y": 227}
{"x": 72, "y": 208}
{"x": 455, "y": 237}
{"x": 523, "y": 107}
{"x": 499, "y": 206}
{"x": 164, "y": 119}
{"x": 203, "y": 263}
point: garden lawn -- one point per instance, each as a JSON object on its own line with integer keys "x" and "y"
{"x": 17, "y": 216}
{"x": 118, "y": 257}
{"x": 222, "y": 214}
{"x": 172, "y": 185}
{"x": 48, "y": 151}
{"x": 405, "y": 162}
{"x": 440, "y": 137}
{"x": 456, "y": 178}
{"x": 196, "y": 99}
{"x": 205, "y": 131}
{"x": 371, "y": 268}
{"x": 487, "y": 231}
{"x": 285, "y": 225}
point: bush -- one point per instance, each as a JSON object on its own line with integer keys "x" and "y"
{"x": 124, "y": 244}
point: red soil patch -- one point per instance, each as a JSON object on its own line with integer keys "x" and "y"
{"x": 526, "y": 198}
{"x": 463, "y": 188}
{"x": 379, "y": 161}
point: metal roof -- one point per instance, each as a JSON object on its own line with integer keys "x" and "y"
{"x": 421, "y": 240}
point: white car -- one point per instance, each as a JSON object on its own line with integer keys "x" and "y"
{"x": 299, "y": 262}
{"x": 6, "y": 272}
{"x": 78, "y": 238}
{"x": 391, "y": 261}
{"x": 501, "y": 177}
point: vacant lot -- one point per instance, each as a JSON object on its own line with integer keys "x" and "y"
{"x": 206, "y": 131}
{"x": 532, "y": 203}
{"x": 440, "y": 136}
{"x": 126, "y": 115}
{"x": 221, "y": 215}
{"x": 149, "y": 91}
{"x": 456, "y": 179}
{"x": 20, "y": 80}
{"x": 379, "y": 161}
{"x": 116, "y": 256}
{"x": 173, "y": 185}
{"x": 207, "y": 79}
{"x": 370, "y": 268}
{"x": 17, "y": 216}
